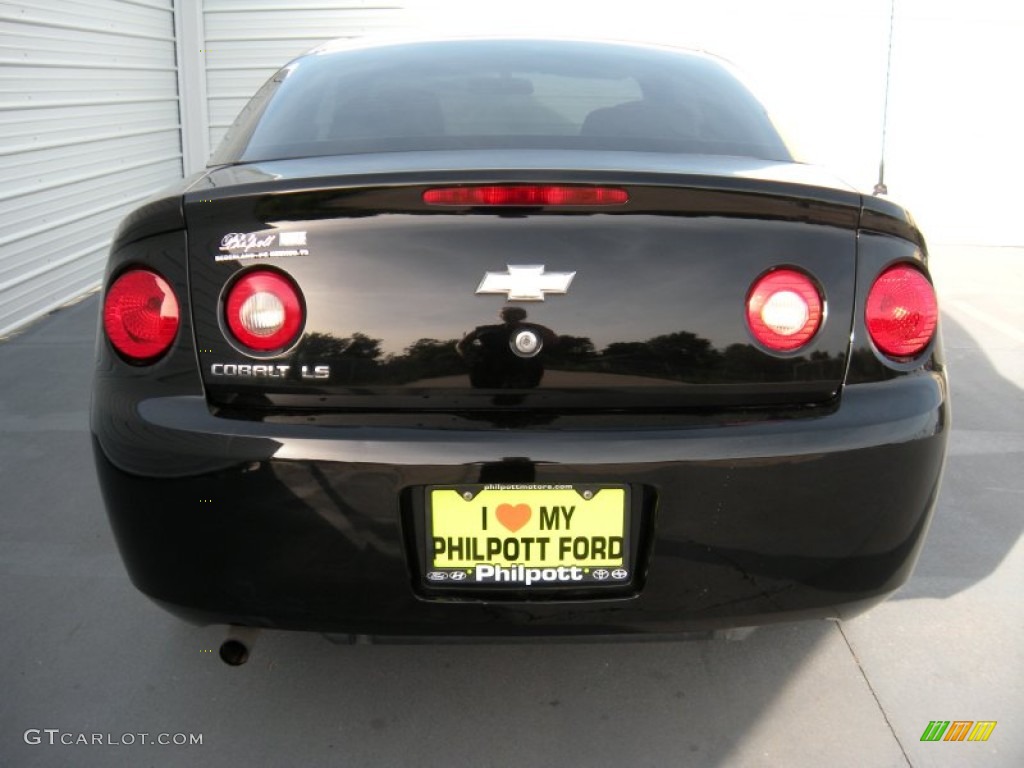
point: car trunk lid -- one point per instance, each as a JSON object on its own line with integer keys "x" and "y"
{"x": 413, "y": 306}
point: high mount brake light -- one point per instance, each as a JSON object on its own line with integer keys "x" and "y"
{"x": 525, "y": 194}
{"x": 784, "y": 310}
{"x": 264, "y": 310}
{"x": 140, "y": 316}
{"x": 901, "y": 313}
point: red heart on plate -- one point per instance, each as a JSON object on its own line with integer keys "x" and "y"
{"x": 513, "y": 517}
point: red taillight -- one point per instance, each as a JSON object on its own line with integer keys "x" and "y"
{"x": 140, "y": 315}
{"x": 264, "y": 311}
{"x": 784, "y": 310}
{"x": 525, "y": 194}
{"x": 901, "y": 312}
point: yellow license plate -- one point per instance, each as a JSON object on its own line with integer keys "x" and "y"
{"x": 530, "y": 535}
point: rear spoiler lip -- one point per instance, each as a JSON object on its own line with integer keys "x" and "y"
{"x": 693, "y": 171}
{"x": 798, "y": 186}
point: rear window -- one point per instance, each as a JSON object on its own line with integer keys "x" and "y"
{"x": 501, "y": 95}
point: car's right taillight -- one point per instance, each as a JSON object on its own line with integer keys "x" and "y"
{"x": 784, "y": 310}
{"x": 264, "y": 311}
{"x": 901, "y": 313}
{"x": 140, "y": 316}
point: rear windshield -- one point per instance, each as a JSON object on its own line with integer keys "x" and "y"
{"x": 501, "y": 95}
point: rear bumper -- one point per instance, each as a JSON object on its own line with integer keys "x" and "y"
{"x": 310, "y": 527}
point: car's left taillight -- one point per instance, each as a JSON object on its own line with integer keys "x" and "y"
{"x": 140, "y": 316}
{"x": 264, "y": 311}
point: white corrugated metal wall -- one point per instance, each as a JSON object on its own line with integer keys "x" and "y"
{"x": 246, "y": 42}
{"x": 88, "y": 126}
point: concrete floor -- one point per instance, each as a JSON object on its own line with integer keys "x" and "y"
{"x": 82, "y": 652}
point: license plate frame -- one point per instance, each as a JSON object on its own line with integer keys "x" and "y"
{"x": 569, "y": 536}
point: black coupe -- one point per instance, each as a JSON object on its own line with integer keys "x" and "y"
{"x": 516, "y": 337}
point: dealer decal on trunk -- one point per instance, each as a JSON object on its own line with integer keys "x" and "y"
{"x": 261, "y": 245}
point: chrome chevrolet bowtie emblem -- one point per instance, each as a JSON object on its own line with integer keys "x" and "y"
{"x": 526, "y": 283}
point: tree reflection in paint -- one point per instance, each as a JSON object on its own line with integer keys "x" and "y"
{"x": 490, "y": 353}
{"x": 484, "y": 356}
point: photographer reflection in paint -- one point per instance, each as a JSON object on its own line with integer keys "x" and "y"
{"x": 508, "y": 355}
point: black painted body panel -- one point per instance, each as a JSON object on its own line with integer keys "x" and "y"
{"x": 305, "y": 517}
{"x": 313, "y": 528}
{"x": 762, "y": 486}
{"x": 655, "y": 311}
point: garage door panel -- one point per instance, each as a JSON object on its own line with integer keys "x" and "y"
{"x": 89, "y": 127}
